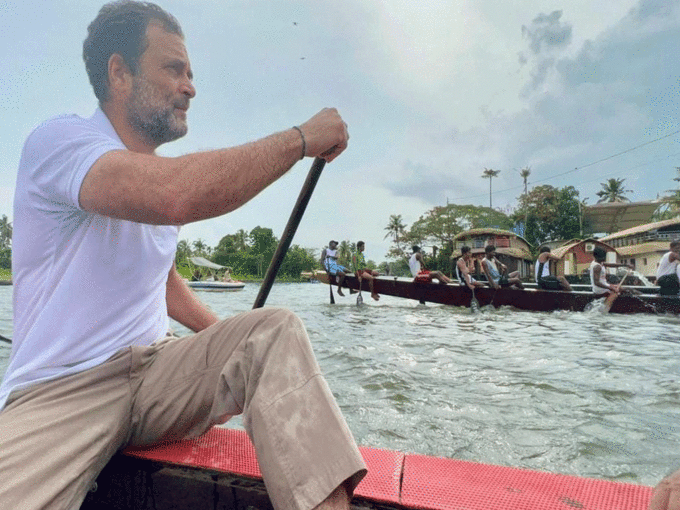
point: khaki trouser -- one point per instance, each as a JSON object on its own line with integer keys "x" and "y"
{"x": 57, "y": 436}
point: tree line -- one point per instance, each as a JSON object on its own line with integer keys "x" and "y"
{"x": 544, "y": 213}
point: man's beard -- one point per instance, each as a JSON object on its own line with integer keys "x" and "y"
{"x": 153, "y": 116}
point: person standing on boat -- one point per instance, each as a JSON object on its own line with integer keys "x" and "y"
{"x": 329, "y": 260}
{"x": 420, "y": 273}
{"x": 496, "y": 271}
{"x": 463, "y": 269}
{"x": 361, "y": 270}
{"x": 96, "y": 222}
{"x": 544, "y": 279}
{"x": 667, "y": 272}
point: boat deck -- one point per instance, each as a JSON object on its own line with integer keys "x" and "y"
{"x": 219, "y": 471}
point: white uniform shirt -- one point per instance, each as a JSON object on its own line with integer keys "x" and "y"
{"x": 85, "y": 285}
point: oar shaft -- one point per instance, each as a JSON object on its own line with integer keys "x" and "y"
{"x": 289, "y": 232}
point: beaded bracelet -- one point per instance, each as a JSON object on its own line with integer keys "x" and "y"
{"x": 304, "y": 142}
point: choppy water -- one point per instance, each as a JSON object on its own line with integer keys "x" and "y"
{"x": 575, "y": 393}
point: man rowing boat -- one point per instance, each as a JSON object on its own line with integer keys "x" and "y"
{"x": 667, "y": 272}
{"x": 96, "y": 220}
{"x": 463, "y": 269}
{"x": 329, "y": 260}
{"x": 598, "y": 274}
{"x": 544, "y": 279}
{"x": 497, "y": 272}
{"x": 361, "y": 270}
{"x": 420, "y": 273}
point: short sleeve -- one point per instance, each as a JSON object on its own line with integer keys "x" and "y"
{"x": 58, "y": 155}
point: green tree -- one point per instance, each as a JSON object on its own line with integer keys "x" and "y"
{"x": 263, "y": 245}
{"x": 345, "y": 251}
{"x": 396, "y": 230}
{"x": 183, "y": 252}
{"x": 613, "y": 191}
{"x": 201, "y": 249}
{"x": 298, "y": 260}
{"x": 490, "y": 174}
{"x": 670, "y": 204}
{"x": 551, "y": 214}
{"x": 5, "y": 243}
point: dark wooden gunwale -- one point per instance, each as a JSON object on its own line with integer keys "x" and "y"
{"x": 529, "y": 299}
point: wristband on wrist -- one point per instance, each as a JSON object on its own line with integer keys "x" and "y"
{"x": 304, "y": 142}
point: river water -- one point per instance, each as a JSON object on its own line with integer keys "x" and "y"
{"x": 584, "y": 394}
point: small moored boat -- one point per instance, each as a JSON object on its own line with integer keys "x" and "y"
{"x": 221, "y": 276}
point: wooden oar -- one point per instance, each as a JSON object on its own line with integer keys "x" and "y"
{"x": 289, "y": 232}
{"x": 359, "y": 298}
{"x": 612, "y": 297}
{"x": 474, "y": 304}
{"x": 330, "y": 286}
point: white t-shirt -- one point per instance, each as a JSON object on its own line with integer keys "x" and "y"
{"x": 85, "y": 285}
{"x": 665, "y": 266}
{"x": 602, "y": 280}
{"x": 414, "y": 265}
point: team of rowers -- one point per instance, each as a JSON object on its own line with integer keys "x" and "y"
{"x": 496, "y": 273}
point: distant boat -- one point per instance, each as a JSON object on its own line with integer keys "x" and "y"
{"x": 221, "y": 283}
{"x": 208, "y": 285}
{"x": 531, "y": 299}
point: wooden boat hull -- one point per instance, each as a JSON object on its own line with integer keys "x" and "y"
{"x": 529, "y": 299}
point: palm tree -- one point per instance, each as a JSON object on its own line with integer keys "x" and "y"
{"x": 201, "y": 249}
{"x": 670, "y": 203}
{"x": 344, "y": 253}
{"x": 613, "y": 191}
{"x": 395, "y": 227}
{"x": 241, "y": 240}
{"x": 524, "y": 174}
{"x": 490, "y": 174}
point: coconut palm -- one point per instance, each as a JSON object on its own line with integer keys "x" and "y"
{"x": 613, "y": 191}
{"x": 524, "y": 174}
{"x": 395, "y": 228}
{"x": 344, "y": 253}
{"x": 490, "y": 174}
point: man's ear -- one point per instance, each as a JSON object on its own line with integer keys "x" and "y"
{"x": 120, "y": 76}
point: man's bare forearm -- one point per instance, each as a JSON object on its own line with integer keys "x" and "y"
{"x": 175, "y": 191}
{"x": 150, "y": 189}
{"x": 184, "y": 306}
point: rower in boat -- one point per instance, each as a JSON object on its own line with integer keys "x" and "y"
{"x": 667, "y": 272}
{"x": 420, "y": 273}
{"x": 329, "y": 260}
{"x": 598, "y": 274}
{"x": 463, "y": 271}
{"x": 544, "y": 279}
{"x": 361, "y": 271}
{"x": 496, "y": 271}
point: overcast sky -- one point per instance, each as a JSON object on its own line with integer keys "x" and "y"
{"x": 433, "y": 92}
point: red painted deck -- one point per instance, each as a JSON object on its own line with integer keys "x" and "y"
{"x": 418, "y": 481}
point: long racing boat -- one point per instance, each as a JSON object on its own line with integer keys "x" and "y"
{"x": 531, "y": 299}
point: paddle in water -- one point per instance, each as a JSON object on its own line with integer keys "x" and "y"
{"x": 612, "y": 296}
{"x": 474, "y": 304}
{"x": 360, "y": 300}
